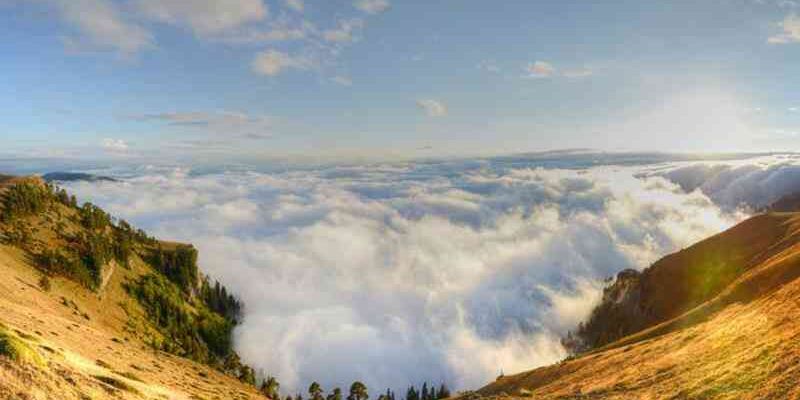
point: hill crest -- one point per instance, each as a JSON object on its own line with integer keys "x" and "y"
{"x": 716, "y": 320}
{"x": 109, "y": 311}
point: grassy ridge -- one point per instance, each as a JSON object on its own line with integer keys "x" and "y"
{"x": 80, "y": 243}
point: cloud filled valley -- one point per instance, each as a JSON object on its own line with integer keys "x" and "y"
{"x": 441, "y": 271}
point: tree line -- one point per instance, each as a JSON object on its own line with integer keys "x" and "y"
{"x": 358, "y": 391}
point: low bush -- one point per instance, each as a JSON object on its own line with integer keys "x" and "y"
{"x": 14, "y": 348}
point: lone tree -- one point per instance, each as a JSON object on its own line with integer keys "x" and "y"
{"x": 315, "y": 391}
{"x": 270, "y": 388}
{"x": 358, "y": 391}
{"x": 335, "y": 395}
{"x": 444, "y": 392}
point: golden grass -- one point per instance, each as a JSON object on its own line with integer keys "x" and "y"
{"x": 116, "y": 383}
{"x": 743, "y": 343}
{"x": 38, "y": 320}
{"x": 16, "y": 349}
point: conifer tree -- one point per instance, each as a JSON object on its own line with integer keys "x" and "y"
{"x": 335, "y": 395}
{"x": 444, "y": 392}
{"x": 315, "y": 391}
{"x": 358, "y": 391}
{"x": 270, "y": 388}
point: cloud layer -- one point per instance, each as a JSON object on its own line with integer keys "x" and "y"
{"x": 740, "y": 185}
{"x": 394, "y": 274}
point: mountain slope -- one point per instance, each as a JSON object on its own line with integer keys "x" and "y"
{"x": 86, "y": 335}
{"x": 729, "y": 327}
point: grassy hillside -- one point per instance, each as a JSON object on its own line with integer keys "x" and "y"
{"x": 721, "y": 322}
{"x": 683, "y": 280}
{"x": 92, "y": 308}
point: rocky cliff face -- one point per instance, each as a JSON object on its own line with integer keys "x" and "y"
{"x": 618, "y": 313}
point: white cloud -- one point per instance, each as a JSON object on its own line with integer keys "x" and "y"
{"x": 273, "y": 62}
{"x": 541, "y": 69}
{"x": 791, "y": 31}
{"x": 577, "y": 73}
{"x": 277, "y": 30}
{"x": 203, "y": 118}
{"x": 346, "y": 31}
{"x": 204, "y": 17}
{"x": 228, "y": 124}
{"x": 395, "y": 274}
{"x": 434, "y": 108}
{"x": 343, "y": 80}
{"x": 751, "y": 185}
{"x": 372, "y": 6}
{"x": 297, "y": 5}
{"x": 115, "y": 145}
{"x": 102, "y": 26}
{"x": 489, "y": 66}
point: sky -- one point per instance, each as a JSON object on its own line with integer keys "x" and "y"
{"x": 230, "y": 80}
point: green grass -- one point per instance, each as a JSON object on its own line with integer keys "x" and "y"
{"x": 16, "y": 349}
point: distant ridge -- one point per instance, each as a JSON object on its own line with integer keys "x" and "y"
{"x": 75, "y": 176}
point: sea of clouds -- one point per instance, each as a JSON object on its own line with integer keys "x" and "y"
{"x": 453, "y": 271}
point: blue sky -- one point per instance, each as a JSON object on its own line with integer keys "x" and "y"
{"x": 243, "y": 79}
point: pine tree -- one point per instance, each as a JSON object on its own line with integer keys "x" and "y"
{"x": 335, "y": 395}
{"x": 270, "y": 388}
{"x": 358, "y": 391}
{"x": 444, "y": 392}
{"x": 315, "y": 391}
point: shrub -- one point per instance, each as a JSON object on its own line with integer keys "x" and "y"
{"x": 17, "y": 350}
{"x": 44, "y": 283}
{"x": 116, "y": 383}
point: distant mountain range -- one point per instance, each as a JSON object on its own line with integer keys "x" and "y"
{"x": 75, "y": 176}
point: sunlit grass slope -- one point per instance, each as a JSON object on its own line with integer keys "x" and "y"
{"x": 732, "y": 332}
{"x": 63, "y": 337}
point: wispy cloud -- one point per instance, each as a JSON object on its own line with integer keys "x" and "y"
{"x": 296, "y": 5}
{"x": 791, "y": 31}
{"x": 115, "y": 145}
{"x": 274, "y": 62}
{"x": 101, "y": 26}
{"x": 577, "y": 73}
{"x": 540, "y": 69}
{"x": 227, "y": 124}
{"x": 489, "y": 66}
{"x": 433, "y": 108}
{"x": 316, "y": 45}
{"x": 372, "y": 6}
{"x": 204, "y": 17}
{"x": 343, "y": 80}
{"x": 346, "y": 31}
